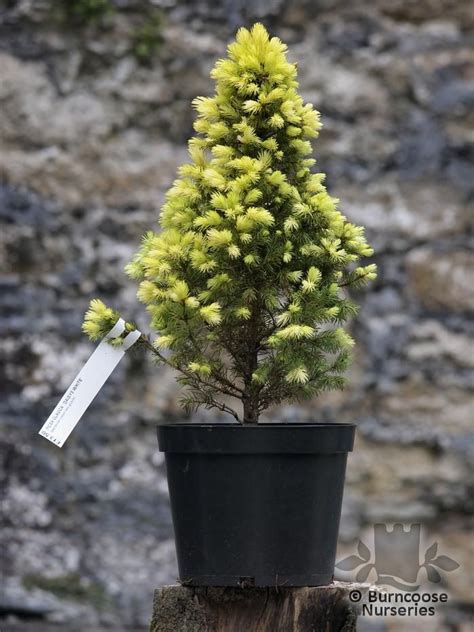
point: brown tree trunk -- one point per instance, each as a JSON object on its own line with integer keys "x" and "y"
{"x": 250, "y": 397}
{"x": 320, "y": 609}
{"x": 250, "y": 411}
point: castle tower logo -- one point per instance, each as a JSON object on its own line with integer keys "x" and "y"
{"x": 396, "y": 560}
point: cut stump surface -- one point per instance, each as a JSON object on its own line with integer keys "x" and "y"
{"x": 319, "y": 609}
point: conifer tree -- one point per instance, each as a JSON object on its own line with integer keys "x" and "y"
{"x": 245, "y": 281}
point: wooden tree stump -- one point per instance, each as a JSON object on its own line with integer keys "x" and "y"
{"x": 319, "y": 609}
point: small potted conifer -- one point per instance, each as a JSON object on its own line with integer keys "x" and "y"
{"x": 246, "y": 286}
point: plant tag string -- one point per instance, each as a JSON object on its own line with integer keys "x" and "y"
{"x": 85, "y": 386}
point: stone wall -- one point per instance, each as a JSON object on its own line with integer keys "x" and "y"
{"x": 94, "y": 115}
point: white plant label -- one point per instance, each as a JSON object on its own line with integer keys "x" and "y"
{"x": 85, "y": 386}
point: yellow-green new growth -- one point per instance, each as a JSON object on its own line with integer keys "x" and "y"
{"x": 99, "y": 319}
{"x": 244, "y": 280}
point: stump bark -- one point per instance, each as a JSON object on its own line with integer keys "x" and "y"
{"x": 200, "y": 609}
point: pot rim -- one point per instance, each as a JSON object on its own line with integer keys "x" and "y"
{"x": 269, "y": 438}
{"x": 272, "y": 424}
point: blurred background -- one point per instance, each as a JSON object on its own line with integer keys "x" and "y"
{"x": 95, "y": 111}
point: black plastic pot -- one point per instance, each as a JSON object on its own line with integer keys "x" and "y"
{"x": 256, "y": 505}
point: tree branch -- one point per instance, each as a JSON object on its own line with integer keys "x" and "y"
{"x": 220, "y": 378}
{"x": 190, "y": 375}
{"x": 349, "y": 282}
